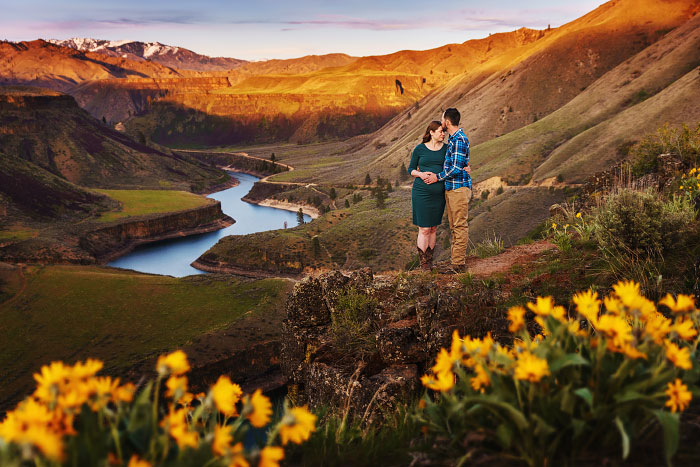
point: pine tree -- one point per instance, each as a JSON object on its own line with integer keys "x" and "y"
{"x": 333, "y": 194}
{"x": 380, "y": 195}
{"x": 300, "y": 217}
{"x": 404, "y": 172}
{"x": 368, "y": 180}
{"x": 272, "y": 157}
{"x": 347, "y": 204}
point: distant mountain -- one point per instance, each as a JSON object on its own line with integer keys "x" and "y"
{"x": 40, "y": 63}
{"x": 175, "y": 57}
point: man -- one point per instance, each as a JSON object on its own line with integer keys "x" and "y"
{"x": 458, "y": 187}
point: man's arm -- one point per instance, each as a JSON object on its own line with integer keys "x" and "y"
{"x": 460, "y": 161}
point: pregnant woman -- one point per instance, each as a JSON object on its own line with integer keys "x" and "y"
{"x": 428, "y": 200}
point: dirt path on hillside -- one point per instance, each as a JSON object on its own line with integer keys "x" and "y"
{"x": 519, "y": 254}
{"x": 22, "y": 287}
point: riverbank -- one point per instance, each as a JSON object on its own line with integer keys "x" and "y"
{"x": 273, "y": 203}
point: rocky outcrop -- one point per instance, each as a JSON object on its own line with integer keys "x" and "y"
{"x": 413, "y": 317}
{"x": 118, "y": 238}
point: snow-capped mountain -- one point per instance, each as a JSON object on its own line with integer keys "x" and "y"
{"x": 176, "y": 57}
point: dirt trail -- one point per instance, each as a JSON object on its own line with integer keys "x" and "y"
{"x": 23, "y": 278}
{"x": 502, "y": 263}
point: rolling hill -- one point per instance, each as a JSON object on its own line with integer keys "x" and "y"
{"x": 48, "y": 129}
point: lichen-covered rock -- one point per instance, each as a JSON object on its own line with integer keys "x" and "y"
{"x": 333, "y": 284}
{"x": 306, "y": 305}
{"x": 299, "y": 344}
{"x": 398, "y": 343}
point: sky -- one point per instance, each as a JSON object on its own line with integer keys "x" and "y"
{"x": 265, "y": 29}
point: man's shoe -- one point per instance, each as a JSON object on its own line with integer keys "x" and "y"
{"x": 458, "y": 269}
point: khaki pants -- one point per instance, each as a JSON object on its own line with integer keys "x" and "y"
{"x": 457, "y": 203}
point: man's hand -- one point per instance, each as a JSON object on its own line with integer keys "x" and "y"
{"x": 424, "y": 176}
{"x": 468, "y": 169}
{"x": 431, "y": 179}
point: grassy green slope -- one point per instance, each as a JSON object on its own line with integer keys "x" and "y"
{"x": 74, "y": 312}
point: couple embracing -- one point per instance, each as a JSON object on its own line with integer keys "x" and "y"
{"x": 442, "y": 180}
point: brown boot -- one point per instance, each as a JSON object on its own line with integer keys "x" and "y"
{"x": 423, "y": 257}
{"x": 429, "y": 253}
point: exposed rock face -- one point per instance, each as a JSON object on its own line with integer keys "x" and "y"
{"x": 414, "y": 317}
{"x": 118, "y": 238}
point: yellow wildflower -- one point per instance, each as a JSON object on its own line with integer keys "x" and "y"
{"x": 543, "y": 307}
{"x": 297, "y": 425}
{"x": 184, "y": 437}
{"x": 683, "y": 304}
{"x": 633, "y": 352}
{"x": 481, "y": 380}
{"x": 444, "y": 363}
{"x": 617, "y": 330}
{"x": 270, "y": 456}
{"x": 46, "y": 440}
{"x": 516, "y": 316}
{"x": 684, "y": 329}
{"x": 440, "y": 382}
{"x": 136, "y": 462}
{"x": 177, "y": 386}
{"x": 124, "y": 393}
{"x": 85, "y": 370}
{"x": 657, "y": 327}
{"x": 457, "y": 349}
{"x": 174, "y": 363}
{"x": 226, "y": 395}
{"x": 222, "y": 440}
{"x": 238, "y": 458}
{"x": 587, "y": 305}
{"x": 258, "y": 409}
{"x": 176, "y": 424}
{"x": 678, "y": 396}
{"x": 680, "y": 357}
{"x": 627, "y": 292}
{"x": 554, "y": 225}
{"x": 530, "y": 367}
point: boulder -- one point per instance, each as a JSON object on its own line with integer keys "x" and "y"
{"x": 306, "y": 305}
{"x": 398, "y": 343}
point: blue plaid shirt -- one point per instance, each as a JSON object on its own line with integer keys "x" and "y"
{"x": 456, "y": 159}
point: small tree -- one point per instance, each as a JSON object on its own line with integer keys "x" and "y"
{"x": 300, "y": 217}
{"x": 333, "y": 194}
{"x": 368, "y": 180}
{"x": 347, "y": 203}
{"x": 272, "y": 157}
{"x": 389, "y": 189}
{"x": 404, "y": 172}
{"x": 380, "y": 195}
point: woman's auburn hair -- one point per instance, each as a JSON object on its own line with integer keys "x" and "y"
{"x": 432, "y": 126}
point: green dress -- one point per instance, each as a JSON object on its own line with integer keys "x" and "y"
{"x": 428, "y": 200}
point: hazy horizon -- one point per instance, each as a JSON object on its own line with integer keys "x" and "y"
{"x": 278, "y": 30}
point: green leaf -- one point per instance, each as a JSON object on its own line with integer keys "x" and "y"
{"x": 567, "y": 400}
{"x": 625, "y": 437}
{"x": 504, "y": 434}
{"x": 579, "y": 426}
{"x": 568, "y": 360}
{"x": 669, "y": 423}
{"x": 586, "y": 395}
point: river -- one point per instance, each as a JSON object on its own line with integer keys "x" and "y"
{"x": 173, "y": 257}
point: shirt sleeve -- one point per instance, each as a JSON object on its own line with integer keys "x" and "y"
{"x": 414, "y": 161}
{"x": 458, "y": 161}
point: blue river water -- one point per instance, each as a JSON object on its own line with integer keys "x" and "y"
{"x": 173, "y": 257}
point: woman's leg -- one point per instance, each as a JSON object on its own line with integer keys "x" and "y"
{"x": 423, "y": 238}
{"x": 432, "y": 237}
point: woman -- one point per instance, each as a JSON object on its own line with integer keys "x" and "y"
{"x": 428, "y": 199}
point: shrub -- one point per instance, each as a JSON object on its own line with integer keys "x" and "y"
{"x": 602, "y": 380}
{"x": 485, "y": 194}
{"x": 642, "y": 222}
{"x": 500, "y": 190}
{"x": 681, "y": 141}
{"x": 352, "y": 329}
{"x": 78, "y": 418}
